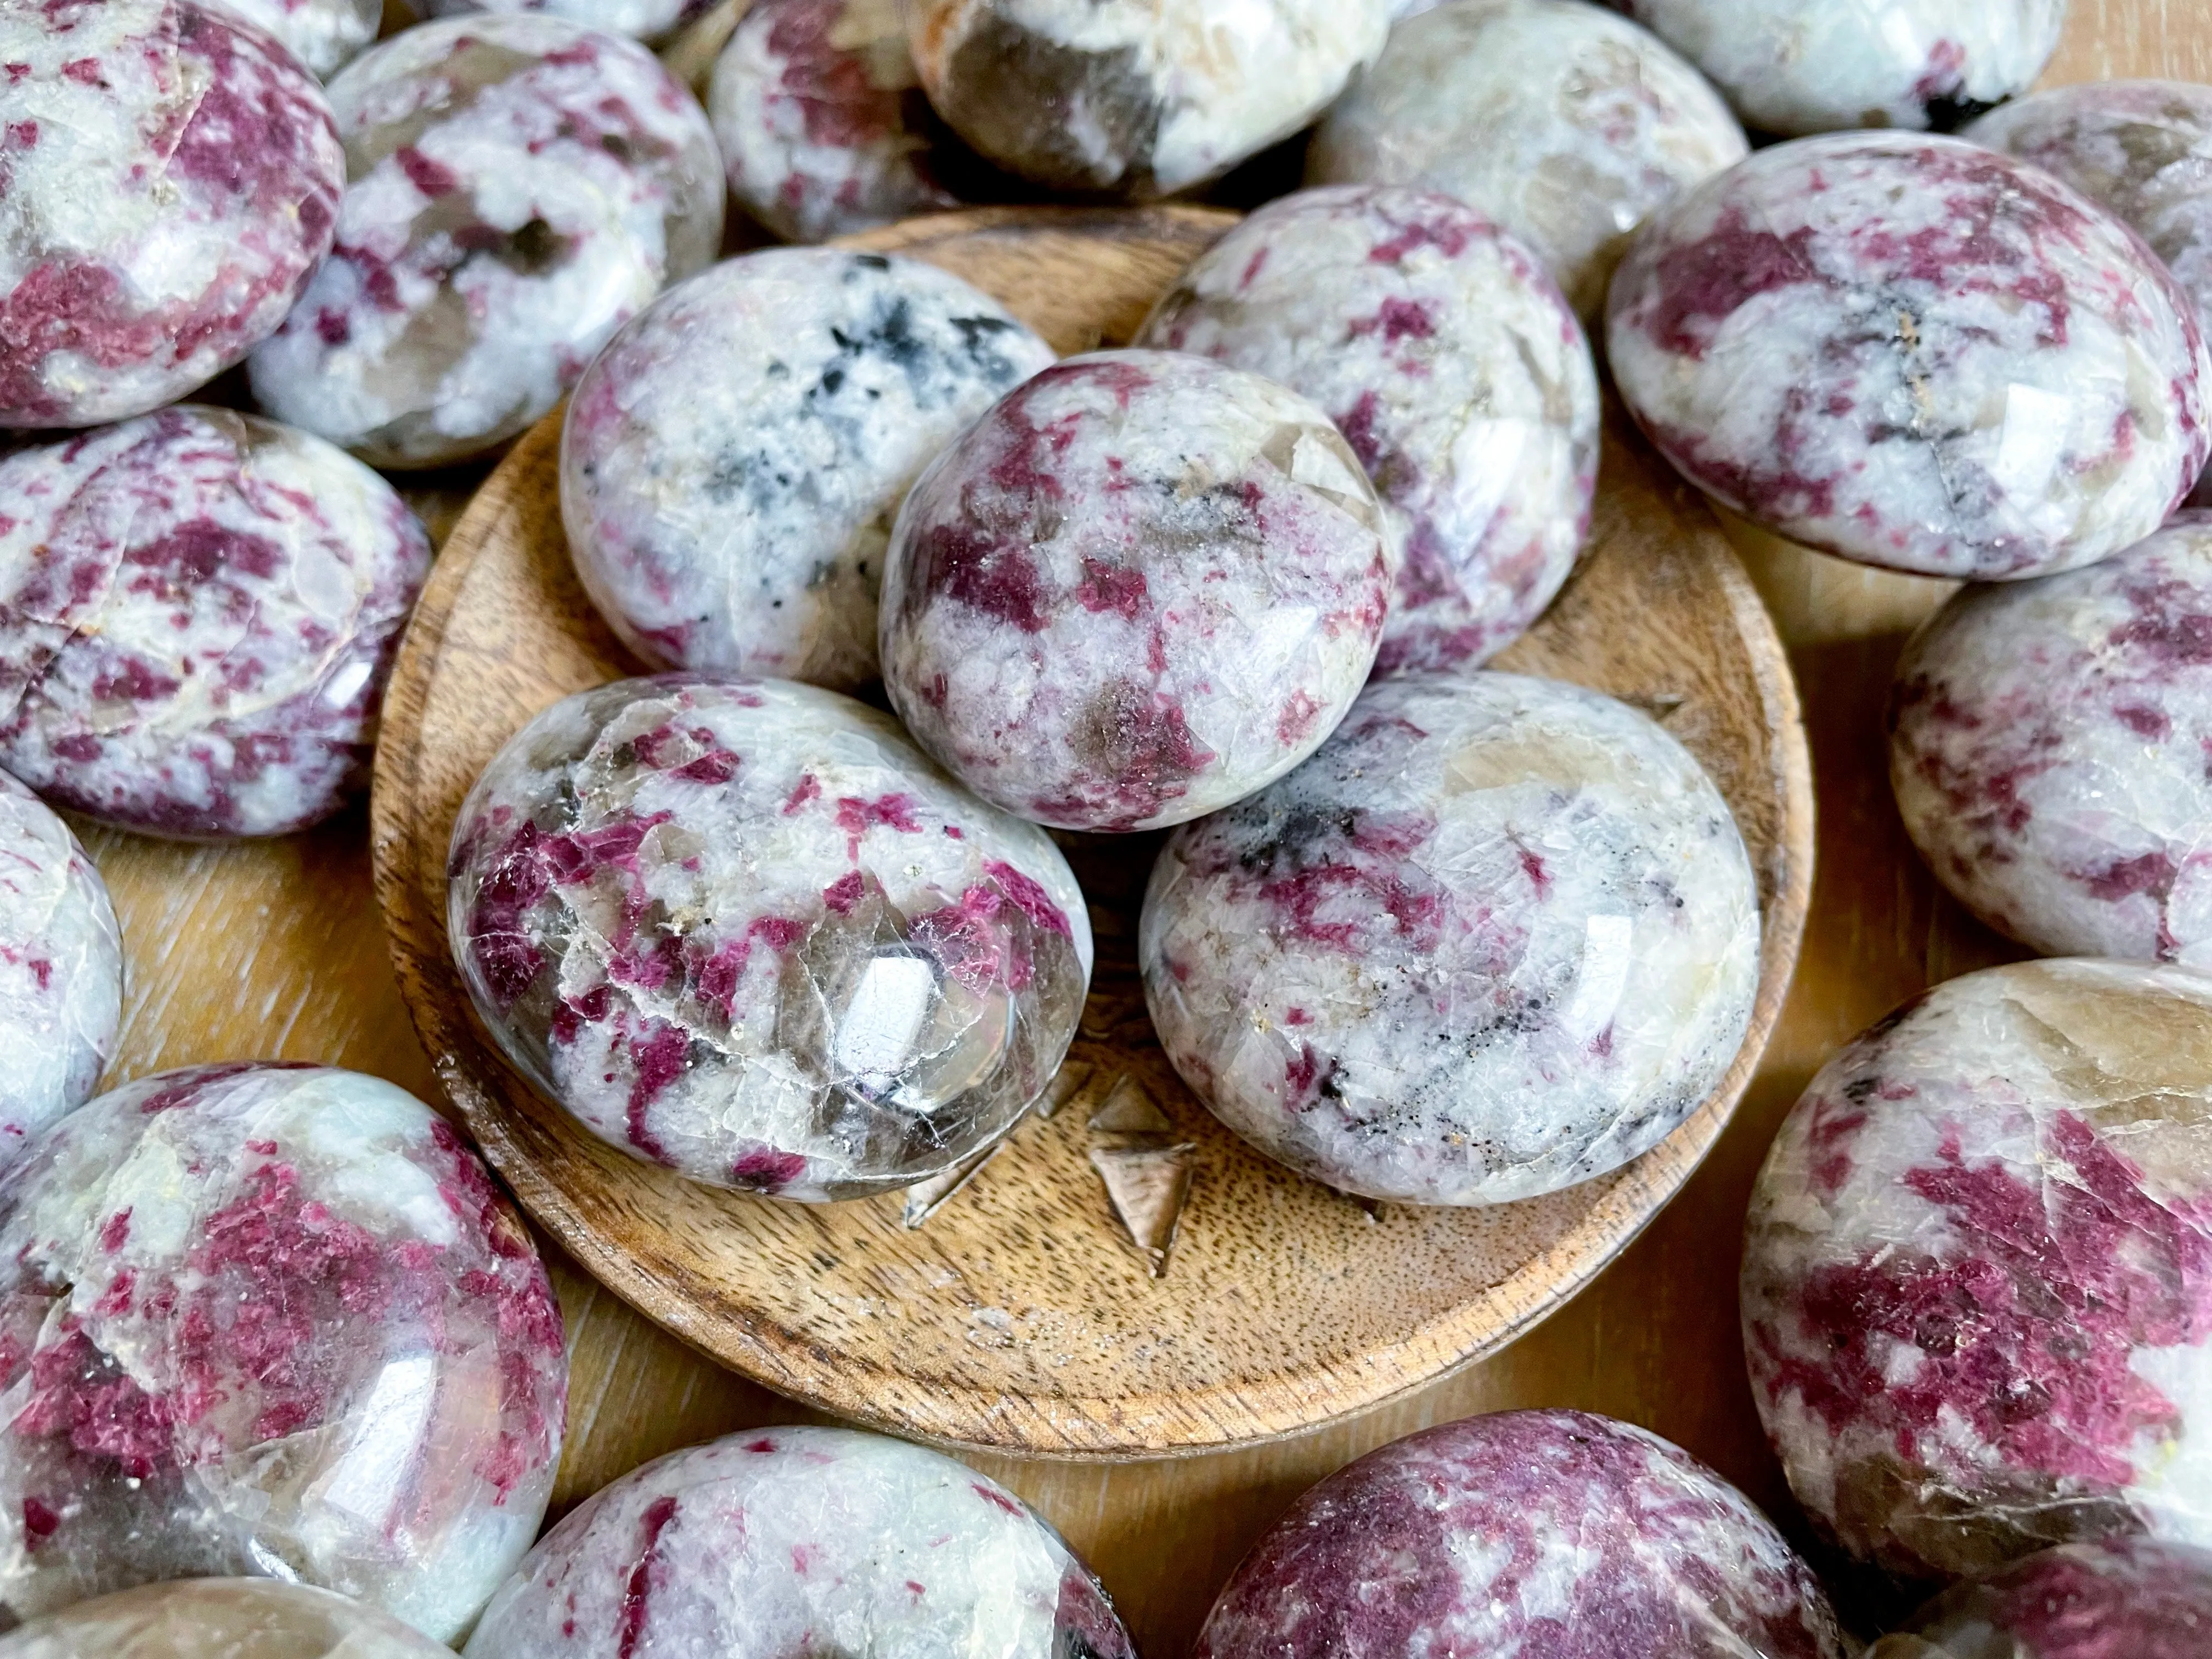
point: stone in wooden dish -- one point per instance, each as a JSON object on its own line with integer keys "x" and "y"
{"x": 1022, "y": 1314}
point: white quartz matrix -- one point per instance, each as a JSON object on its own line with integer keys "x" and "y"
{"x": 744, "y": 929}
{"x": 1564, "y": 124}
{"x": 168, "y": 178}
{"x": 1805, "y": 66}
{"x": 1917, "y": 353}
{"x": 1500, "y": 936}
{"x": 773, "y": 1543}
{"x": 271, "y": 1320}
{"x": 1454, "y": 370}
{"x": 733, "y": 460}
{"x": 519, "y": 188}
{"x": 321, "y": 34}
{"x": 197, "y": 612}
{"x": 61, "y": 970}
{"x": 1137, "y": 97}
{"x": 2049, "y": 744}
{"x": 654, "y": 21}
{"x": 1977, "y": 1271}
{"x": 1142, "y": 586}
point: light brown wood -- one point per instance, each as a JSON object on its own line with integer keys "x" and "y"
{"x": 279, "y": 951}
{"x": 1020, "y": 1317}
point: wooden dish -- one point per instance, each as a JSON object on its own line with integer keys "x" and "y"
{"x": 1021, "y": 1317}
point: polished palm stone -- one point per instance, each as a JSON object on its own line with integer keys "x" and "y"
{"x": 744, "y": 929}
{"x": 2127, "y": 1598}
{"x": 219, "y": 1618}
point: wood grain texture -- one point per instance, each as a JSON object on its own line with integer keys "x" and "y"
{"x": 280, "y": 951}
{"x": 1019, "y": 1318}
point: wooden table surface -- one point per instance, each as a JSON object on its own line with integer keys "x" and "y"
{"x": 216, "y": 936}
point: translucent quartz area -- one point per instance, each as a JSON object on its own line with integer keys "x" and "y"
{"x": 271, "y": 1320}
{"x": 744, "y": 929}
{"x": 1500, "y": 936}
{"x": 321, "y": 34}
{"x": 1977, "y": 1275}
{"x": 219, "y": 1618}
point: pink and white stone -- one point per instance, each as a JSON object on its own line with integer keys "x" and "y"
{"x": 1565, "y": 124}
{"x": 1138, "y": 97}
{"x": 1453, "y": 369}
{"x": 1915, "y": 353}
{"x": 520, "y": 186}
{"x": 321, "y": 34}
{"x": 2142, "y": 148}
{"x": 1804, "y": 66}
{"x": 744, "y": 929}
{"x": 219, "y": 1618}
{"x": 1499, "y": 937}
{"x": 733, "y": 460}
{"x": 169, "y": 179}
{"x": 276, "y": 1321}
{"x": 197, "y": 612}
{"x": 1142, "y": 586}
{"x": 61, "y": 970}
{"x": 1534, "y": 1535}
{"x": 652, "y": 21}
{"x": 2048, "y": 744}
{"x": 781, "y": 1541}
{"x": 2126, "y": 1598}
{"x": 1977, "y": 1277}
{"x": 819, "y": 112}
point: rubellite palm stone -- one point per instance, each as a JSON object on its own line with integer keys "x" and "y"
{"x": 1500, "y": 936}
{"x": 1977, "y": 1277}
{"x": 321, "y": 34}
{"x": 61, "y": 970}
{"x": 818, "y": 110}
{"x": 781, "y": 1541}
{"x": 1141, "y": 587}
{"x": 271, "y": 1320}
{"x": 732, "y": 462}
{"x": 219, "y": 1618}
{"x": 197, "y": 612}
{"x": 1805, "y": 66}
{"x": 1565, "y": 124}
{"x": 1140, "y": 97}
{"x": 172, "y": 177}
{"x": 1917, "y": 353}
{"x": 1453, "y": 369}
{"x": 519, "y": 187}
{"x": 1538, "y": 1534}
{"x": 2048, "y": 742}
{"x": 744, "y": 929}
{"x": 2131, "y": 1597}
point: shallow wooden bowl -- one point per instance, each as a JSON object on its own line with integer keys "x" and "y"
{"x": 1021, "y": 1315}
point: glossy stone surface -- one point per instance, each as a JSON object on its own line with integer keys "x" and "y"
{"x": 197, "y": 612}
{"x": 654, "y": 21}
{"x": 271, "y": 1320}
{"x": 1539, "y": 1534}
{"x": 61, "y": 970}
{"x": 521, "y": 187}
{"x": 745, "y": 930}
{"x": 321, "y": 34}
{"x": 1140, "y": 97}
{"x": 219, "y": 1618}
{"x": 1500, "y": 936}
{"x": 1805, "y": 66}
{"x": 2128, "y": 1598}
{"x": 732, "y": 462}
{"x": 1565, "y": 124}
{"x": 2047, "y": 746}
{"x": 1917, "y": 353}
{"x": 1141, "y": 587}
{"x": 171, "y": 177}
{"x": 1977, "y": 1277}
{"x": 1453, "y": 369}
{"x": 818, "y": 110}
{"x": 2142, "y": 148}
{"x": 775, "y": 1542}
